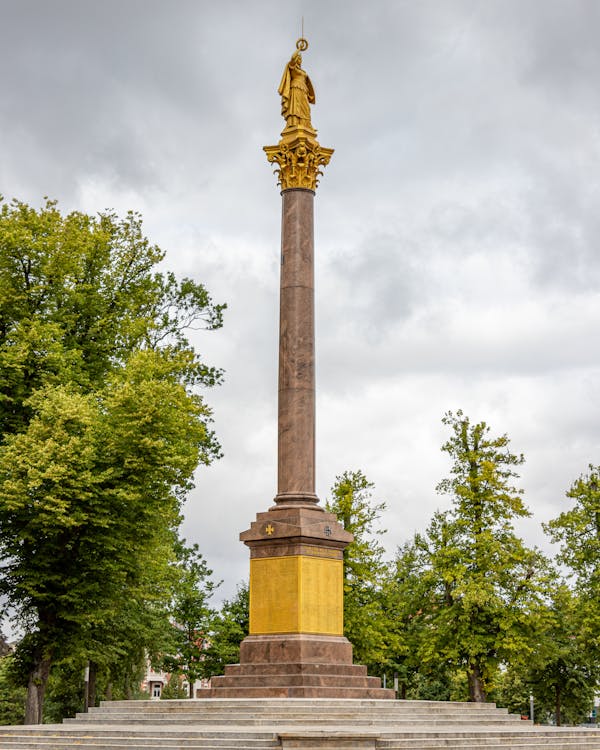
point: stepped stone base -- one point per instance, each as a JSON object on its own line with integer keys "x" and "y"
{"x": 296, "y": 666}
{"x": 296, "y": 724}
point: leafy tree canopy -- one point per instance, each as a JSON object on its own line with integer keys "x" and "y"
{"x": 192, "y": 616}
{"x": 101, "y": 428}
{"x": 578, "y": 531}
{"x": 481, "y": 580}
{"x": 229, "y": 628}
{"x": 366, "y": 623}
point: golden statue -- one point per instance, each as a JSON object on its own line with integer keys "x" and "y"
{"x": 296, "y": 90}
{"x": 298, "y": 156}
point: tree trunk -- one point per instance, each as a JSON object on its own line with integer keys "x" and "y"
{"x": 403, "y": 691}
{"x": 476, "y": 690}
{"x": 190, "y": 688}
{"x": 92, "y": 684}
{"x": 109, "y": 691}
{"x": 36, "y": 688}
{"x": 557, "y": 705}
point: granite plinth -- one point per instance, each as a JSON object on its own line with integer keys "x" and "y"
{"x": 296, "y": 666}
{"x": 294, "y": 648}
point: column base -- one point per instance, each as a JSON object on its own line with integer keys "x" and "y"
{"x": 296, "y": 666}
{"x": 296, "y": 500}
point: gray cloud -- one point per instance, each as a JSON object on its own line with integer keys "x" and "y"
{"x": 456, "y": 225}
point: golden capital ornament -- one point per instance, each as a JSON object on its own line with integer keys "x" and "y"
{"x": 298, "y": 155}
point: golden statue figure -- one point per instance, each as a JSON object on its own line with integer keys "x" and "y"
{"x": 296, "y": 90}
{"x": 299, "y": 158}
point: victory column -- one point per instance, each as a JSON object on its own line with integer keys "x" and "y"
{"x": 296, "y": 646}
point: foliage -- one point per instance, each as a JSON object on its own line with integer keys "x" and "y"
{"x": 100, "y": 430}
{"x": 65, "y": 692}
{"x": 78, "y": 294}
{"x": 12, "y": 693}
{"x": 174, "y": 689}
{"x": 365, "y": 618}
{"x": 477, "y": 582}
{"x": 578, "y": 532}
{"x": 403, "y": 600}
{"x": 192, "y": 616}
{"x": 229, "y": 627}
{"x": 573, "y": 672}
{"x": 409, "y": 592}
{"x": 561, "y": 673}
{"x": 563, "y": 679}
{"x": 512, "y": 690}
{"x": 404, "y": 595}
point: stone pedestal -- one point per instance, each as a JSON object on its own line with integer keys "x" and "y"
{"x": 296, "y": 647}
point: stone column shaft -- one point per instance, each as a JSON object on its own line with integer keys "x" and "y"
{"x": 296, "y": 423}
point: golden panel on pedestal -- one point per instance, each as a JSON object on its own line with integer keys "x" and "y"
{"x": 296, "y": 594}
{"x": 321, "y": 595}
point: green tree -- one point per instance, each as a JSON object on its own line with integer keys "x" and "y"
{"x": 559, "y": 673}
{"x": 100, "y": 426}
{"x": 483, "y": 583}
{"x": 174, "y": 689}
{"x": 65, "y": 691}
{"x": 577, "y": 530}
{"x": 229, "y": 628}
{"x": 12, "y": 693}
{"x": 78, "y": 294}
{"x": 192, "y": 616}
{"x": 405, "y": 599}
{"x": 562, "y": 675}
{"x": 366, "y": 622}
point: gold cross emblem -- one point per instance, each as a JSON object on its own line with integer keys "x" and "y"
{"x": 269, "y": 530}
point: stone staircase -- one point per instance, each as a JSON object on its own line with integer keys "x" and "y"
{"x": 295, "y": 724}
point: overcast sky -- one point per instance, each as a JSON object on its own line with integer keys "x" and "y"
{"x": 457, "y": 225}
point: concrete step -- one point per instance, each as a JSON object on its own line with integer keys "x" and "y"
{"x": 307, "y": 717}
{"x": 53, "y": 743}
{"x": 354, "y": 703}
{"x": 125, "y": 732}
{"x": 551, "y": 738}
{"x": 530, "y": 743}
{"x": 533, "y": 740}
{"x": 40, "y": 739}
{"x": 40, "y": 743}
{"x": 255, "y": 719}
{"x": 385, "y": 708}
{"x": 304, "y": 724}
{"x": 292, "y": 704}
{"x": 157, "y": 745}
{"x": 342, "y": 712}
